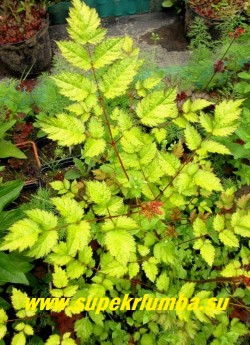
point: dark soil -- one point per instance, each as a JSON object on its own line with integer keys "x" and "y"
{"x": 56, "y": 173}
{"x": 171, "y": 36}
{"x": 20, "y": 169}
{"x": 49, "y": 151}
{"x": 242, "y": 191}
{"x": 25, "y": 196}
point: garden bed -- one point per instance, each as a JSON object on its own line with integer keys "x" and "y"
{"x": 22, "y": 169}
{"x": 49, "y": 151}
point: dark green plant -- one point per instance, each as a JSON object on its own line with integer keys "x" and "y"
{"x": 41, "y": 199}
{"x": 241, "y": 88}
{"x": 239, "y": 143}
{"x": 12, "y": 266}
{"x": 15, "y": 106}
{"x": 7, "y": 148}
{"x": 229, "y": 24}
{"x": 46, "y": 96}
{"x": 199, "y": 35}
{"x": 214, "y": 64}
{"x": 13, "y": 100}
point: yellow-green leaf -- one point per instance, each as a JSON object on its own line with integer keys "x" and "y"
{"x": 121, "y": 245}
{"x": 219, "y": 222}
{"x": 22, "y": 235}
{"x": 99, "y": 192}
{"x": 133, "y": 269}
{"x": 215, "y": 147}
{"x": 193, "y": 138}
{"x": 208, "y": 252}
{"x": 75, "y": 86}
{"x": 169, "y": 163}
{"x": 60, "y": 278}
{"x": 18, "y": 299}
{"x": 229, "y": 239}
{"x": 67, "y": 130}
{"x": 233, "y": 269}
{"x": 199, "y": 104}
{"x": 107, "y": 52}
{"x": 207, "y": 180}
{"x": 84, "y": 24}
{"x": 118, "y": 77}
{"x": 76, "y": 54}
{"x": 46, "y": 219}
{"x": 44, "y": 246}
{"x": 150, "y": 269}
{"x": 156, "y": 107}
{"x": 206, "y": 122}
{"x": 68, "y": 208}
{"x": 78, "y": 236}
{"x": 93, "y": 147}
{"x": 18, "y": 339}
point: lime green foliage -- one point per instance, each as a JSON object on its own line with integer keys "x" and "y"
{"x": 65, "y": 187}
{"x": 153, "y": 219}
{"x": 12, "y": 100}
{"x": 3, "y": 319}
{"x": 55, "y": 340}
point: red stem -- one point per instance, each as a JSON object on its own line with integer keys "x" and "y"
{"x": 113, "y": 143}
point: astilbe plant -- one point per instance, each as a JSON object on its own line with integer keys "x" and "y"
{"x": 145, "y": 223}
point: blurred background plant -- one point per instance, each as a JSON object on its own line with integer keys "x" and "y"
{"x": 46, "y": 96}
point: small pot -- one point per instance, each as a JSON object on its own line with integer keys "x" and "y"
{"x": 211, "y": 23}
{"x": 190, "y": 16}
{"x": 32, "y": 56}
